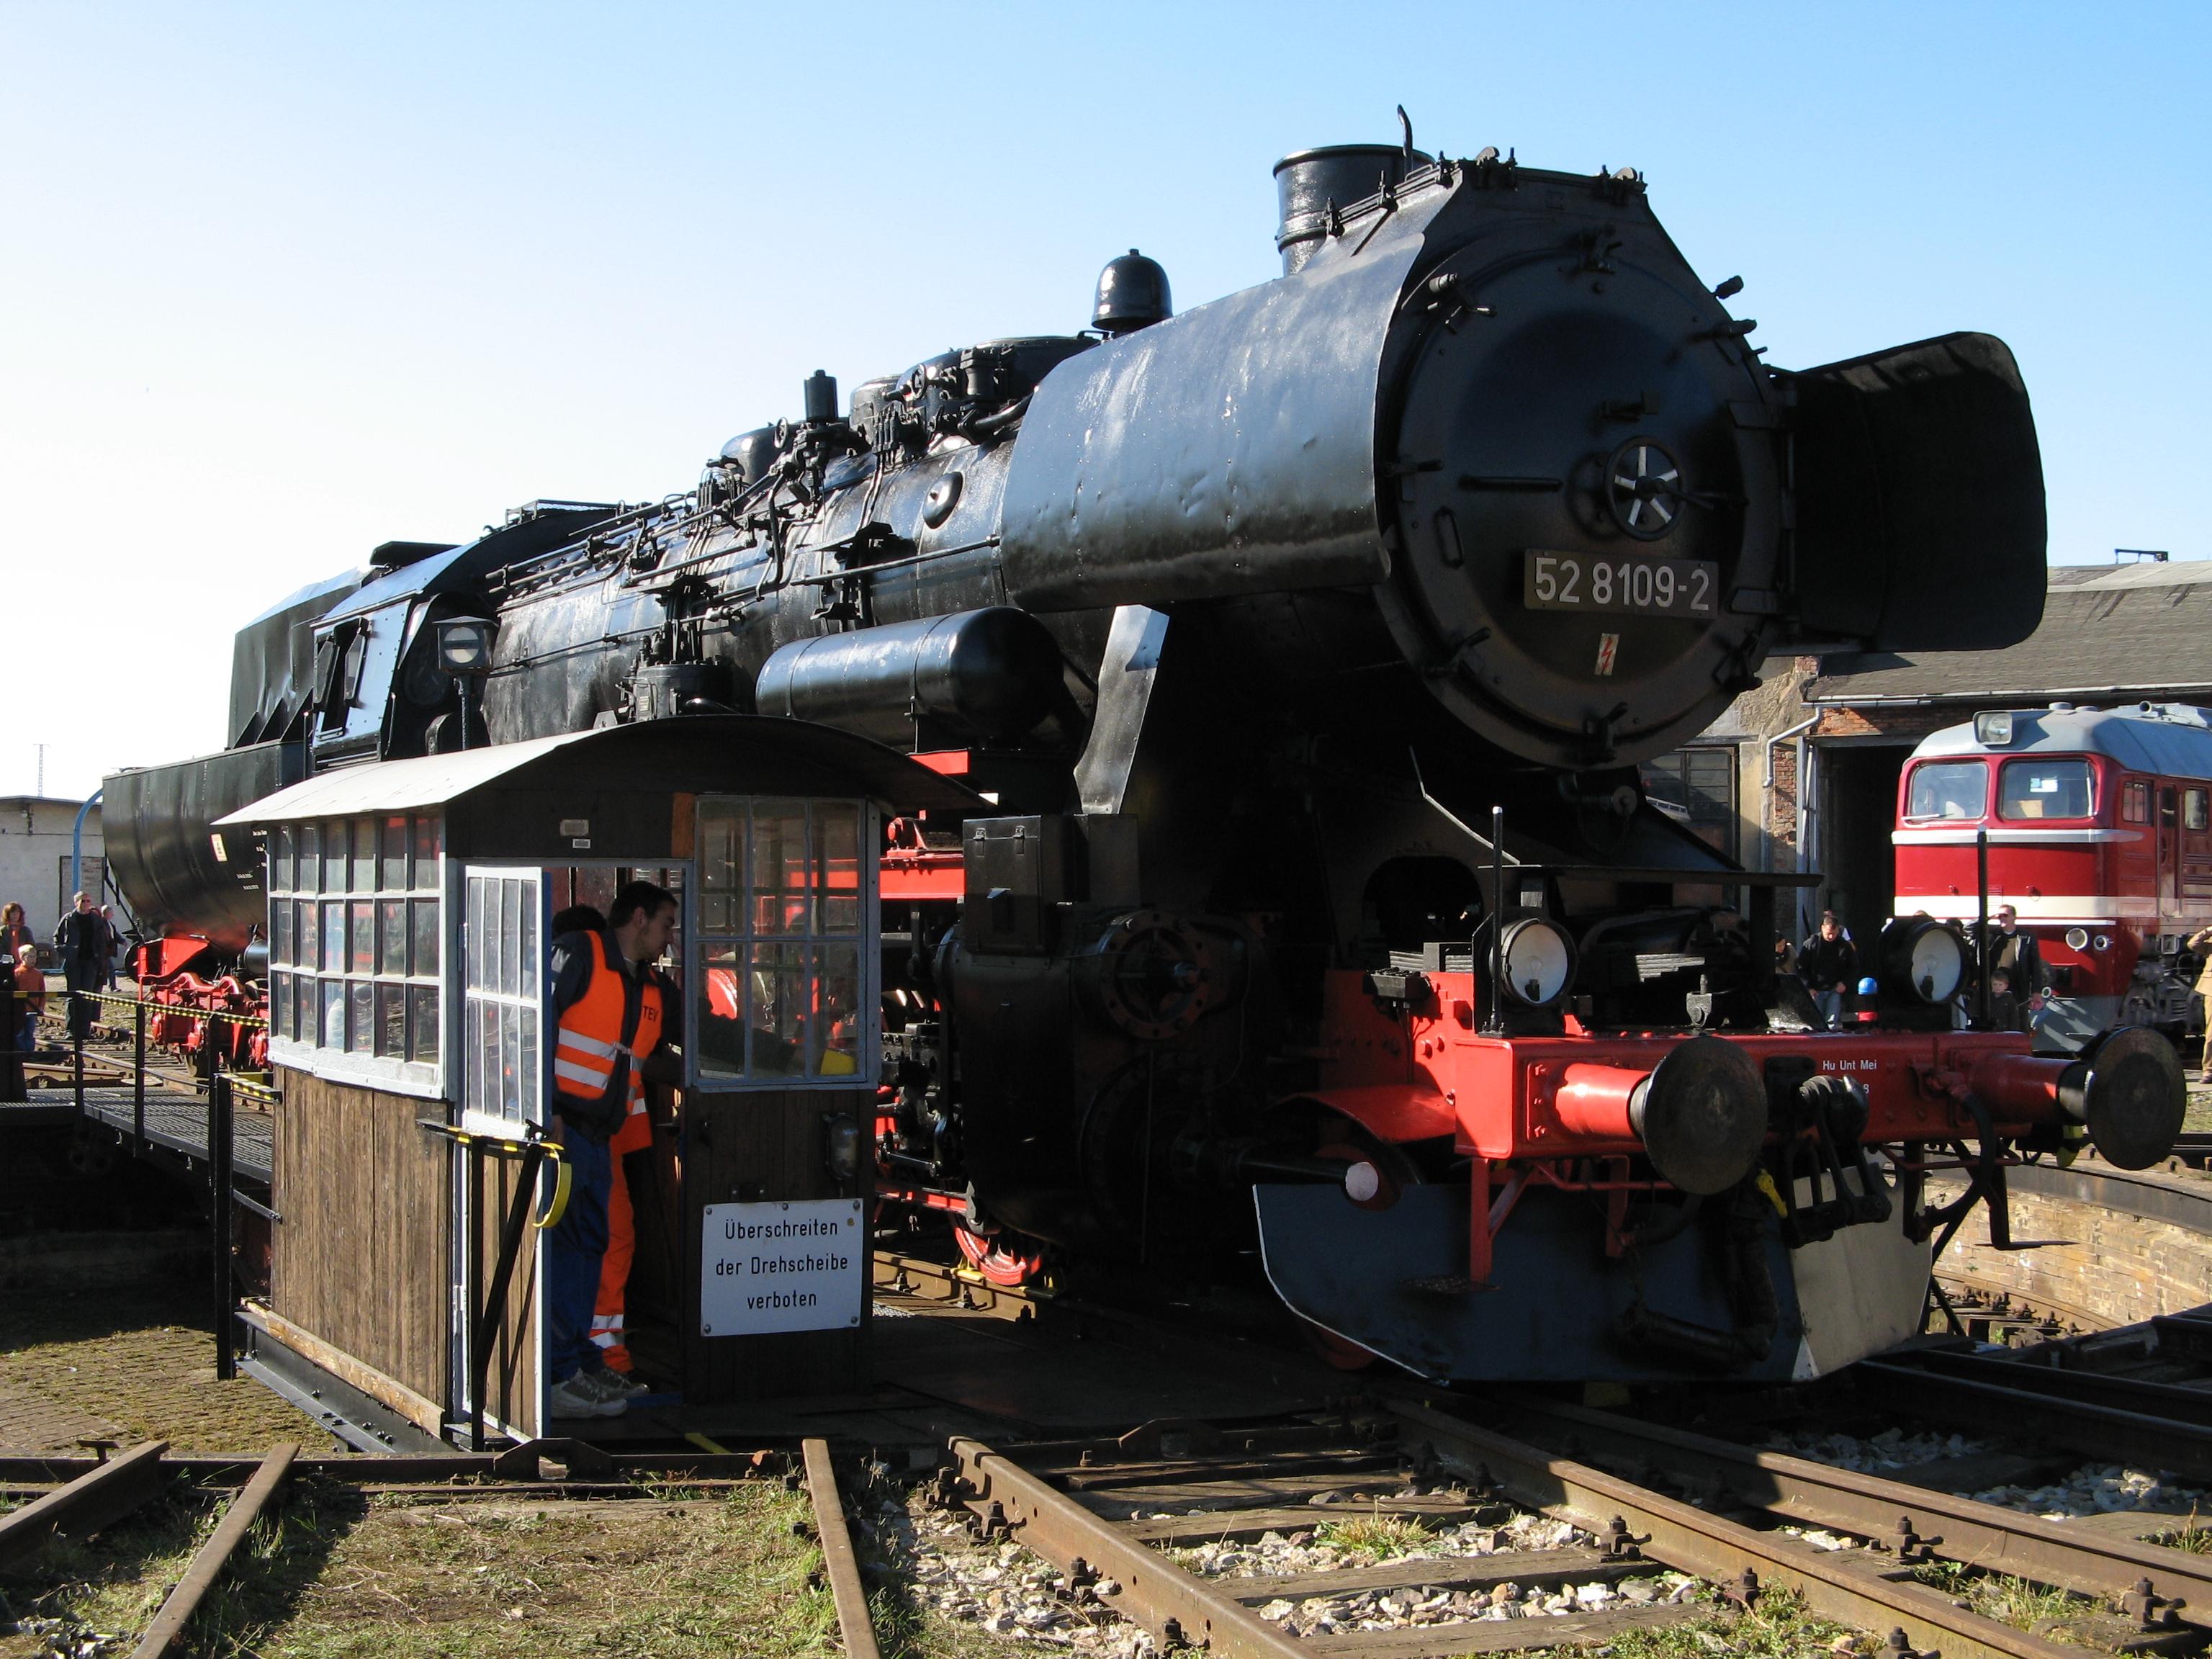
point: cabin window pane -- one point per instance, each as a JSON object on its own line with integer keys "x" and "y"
{"x": 392, "y": 1021}
{"x": 335, "y": 844}
{"x": 333, "y": 1013}
{"x": 281, "y": 933}
{"x": 782, "y": 900}
{"x": 2034, "y": 788}
{"x": 280, "y": 1004}
{"x": 280, "y": 860}
{"x": 364, "y": 855}
{"x": 305, "y": 911}
{"x": 361, "y": 1016}
{"x": 422, "y": 1021}
{"x": 722, "y": 1018}
{"x": 2193, "y": 810}
{"x": 391, "y": 869}
{"x": 391, "y": 936}
{"x": 2135, "y": 801}
{"x": 309, "y": 874}
{"x": 779, "y": 1011}
{"x": 835, "y": 1017}
{"x": 364, "y": 957}
{"x": 837, "y": 855}
{"x": 424, "y": 914}
{"x": 1948, "y": 789}
{"x": 333, "y": 938}
{"x": 426, "y": 855}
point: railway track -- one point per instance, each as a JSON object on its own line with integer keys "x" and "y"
{"x": 77, "y": 1496}
{"x": 1103, "y": 1513}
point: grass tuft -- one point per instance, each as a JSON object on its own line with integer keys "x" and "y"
{"x": 1378, "y": 1535}
{"x": 2013, "y": 1602}
{"x": 1778, "y": 1626}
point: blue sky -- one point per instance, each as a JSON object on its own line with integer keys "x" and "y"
{"x": 283, "y": 281}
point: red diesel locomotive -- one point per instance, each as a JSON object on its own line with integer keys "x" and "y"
{"x": 2099, "y": 827}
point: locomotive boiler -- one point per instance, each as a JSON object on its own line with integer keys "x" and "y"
{"x": 1303, "y": 647}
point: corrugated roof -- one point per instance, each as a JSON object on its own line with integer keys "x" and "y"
{"x": 2110, "y": 634}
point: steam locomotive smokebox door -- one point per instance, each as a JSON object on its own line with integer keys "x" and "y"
{"x": 782, "y": 975}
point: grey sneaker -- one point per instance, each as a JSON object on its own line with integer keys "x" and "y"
{"x": 602, "y": 1382}
{"x": 577, "y": 1398}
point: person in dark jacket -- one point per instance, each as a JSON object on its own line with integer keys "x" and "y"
{"x": 85, "y": 944}
{"x": 2021, "y": 957}
{"x": 1829, "y": 965}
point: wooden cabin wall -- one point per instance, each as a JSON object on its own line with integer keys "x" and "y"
{"x": 750, "y": 1147}
{"x": 361, "y": 1258}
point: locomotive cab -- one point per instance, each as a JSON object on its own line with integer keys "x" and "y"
{"x": 2097, "y": 826}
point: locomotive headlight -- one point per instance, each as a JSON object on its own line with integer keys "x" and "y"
{"x": 1938, "y": 962}
{"x": 1539, "y": 961}
{"x": 2077, "y": 939}
{"x": 464, "y": 647}
{"x": 2103, "y": 941}
{"x": 1924, "y": 959}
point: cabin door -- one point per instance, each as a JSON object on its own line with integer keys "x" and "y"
{"x": 504, "y": 1095}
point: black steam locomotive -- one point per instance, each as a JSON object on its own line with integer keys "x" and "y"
{"x": 1307, "y": 643}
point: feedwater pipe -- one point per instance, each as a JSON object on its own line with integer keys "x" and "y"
{"x": 77, "y": 847}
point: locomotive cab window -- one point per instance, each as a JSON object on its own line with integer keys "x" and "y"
{"x": 1948, "y": 789}
{"x": 2036, "y": 789}
{"x": 782, "y": 991}
{"x": 2135, "y": 801}
{"x": 2193, "y": 810}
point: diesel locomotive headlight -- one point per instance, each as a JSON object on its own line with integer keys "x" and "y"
{"x": 1539, "y": 961}
{"x": 464, "y": 647}
{"x": 1993, "y": 730}
{"x": 2077, "y": 939}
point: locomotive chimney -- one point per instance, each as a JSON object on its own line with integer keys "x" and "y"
{"x": 821, "y": 390}
{"x": 1311, "y": 186}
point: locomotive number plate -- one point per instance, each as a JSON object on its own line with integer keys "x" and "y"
{"x": 1634, "y": 584}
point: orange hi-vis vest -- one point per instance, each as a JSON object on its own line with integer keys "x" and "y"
{"x": 599, "y": 1054}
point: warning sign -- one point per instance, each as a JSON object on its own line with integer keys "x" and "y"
{"x": 795, "y": 1266}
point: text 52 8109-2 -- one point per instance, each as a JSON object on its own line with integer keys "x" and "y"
{"x": 1635, "y": 583}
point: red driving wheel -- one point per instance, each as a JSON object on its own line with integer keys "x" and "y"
{"x": 997, "y": 1259}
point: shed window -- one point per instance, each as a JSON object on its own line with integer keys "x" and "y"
{"x": 781, "y": 995}
{"x": 2036, "y": 789}
{"x": 1948, "y": 789}
{"x": 354, "y": 927}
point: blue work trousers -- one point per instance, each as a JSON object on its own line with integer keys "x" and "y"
{"x": 575, "y": 1244}
{"x": 82, "y": 974}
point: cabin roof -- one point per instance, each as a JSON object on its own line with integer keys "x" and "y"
{"x": 734, "y": 754}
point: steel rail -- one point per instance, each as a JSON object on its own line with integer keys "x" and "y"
{"x": 1176, "y": 1607}
{"x": 1870, "y": 1506}
{"x": 104, "y": 1494}
{"x": 2082, "y": 1426}
{"x": 212, "y": 1557}
{"x": 839, "y": 1562}
{"x": 1690, "y": 1540}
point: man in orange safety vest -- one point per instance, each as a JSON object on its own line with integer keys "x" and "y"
{"x": 617, "y": 1021}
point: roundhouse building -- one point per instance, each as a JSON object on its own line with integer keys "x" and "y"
{"x": 1802, "y": 772}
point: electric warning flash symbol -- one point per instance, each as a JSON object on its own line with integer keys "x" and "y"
{"x": 1608, "y": 647}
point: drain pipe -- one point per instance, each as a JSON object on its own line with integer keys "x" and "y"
{"x": 77, "y": 850}
{"x": 1797, "y": 826}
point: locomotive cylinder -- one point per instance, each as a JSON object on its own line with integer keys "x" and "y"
{"x": 987, "y": 675}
